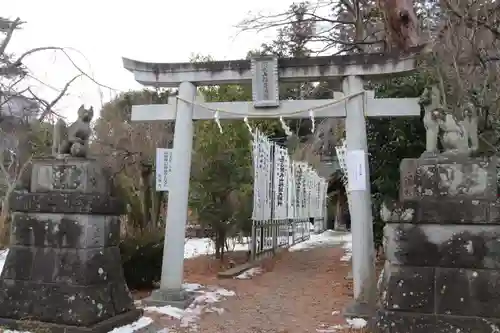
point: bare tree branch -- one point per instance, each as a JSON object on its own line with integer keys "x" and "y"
{"x": 13, "y": 26}
{"x": 471, "y": 20}
{"x": 49, "y": 105}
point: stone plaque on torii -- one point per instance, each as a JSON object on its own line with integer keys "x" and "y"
{"x": 265, "y": 73}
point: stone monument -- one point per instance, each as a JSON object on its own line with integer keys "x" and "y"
{"x": 63, "y": 271}
{"x": 442, "y": 241}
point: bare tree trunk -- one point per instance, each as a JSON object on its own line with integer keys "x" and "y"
{"x": 157, "y": 202}
{"x": 5, "y": 222}
{"x": 217, "y": 248}
{"x": 338, "y": 214}
{"x": 145, "y": 188}
{"x": 220, "y": 243}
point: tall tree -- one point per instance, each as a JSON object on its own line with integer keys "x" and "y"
{"x": 465, "y": 60}
{"x": 354, "y": 26}
{"x": 348, "y": 25}
{"x": 222, "y": 174}
{"x": 129, "y": 150}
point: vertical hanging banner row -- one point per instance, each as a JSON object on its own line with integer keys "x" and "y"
{"x": 284, "y": 189}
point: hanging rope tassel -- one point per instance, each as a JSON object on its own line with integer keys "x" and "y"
{"x": 217, "y": 121}
{"x": 311, "y": 114}
{"x": 285, "y": 127}
{"x": 245, "y": 120}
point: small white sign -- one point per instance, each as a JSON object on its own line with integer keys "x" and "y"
{"x": 356, "y": 170}
{"x": 163, "y": 168}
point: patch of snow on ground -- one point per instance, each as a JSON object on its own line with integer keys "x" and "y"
{"x": 248, "y": 274}
{"x": 3, "y": 256}
{"x": 356, "y": 323}
{"x": 191, "y": 286}
{"x": 353, "y": 323}
{"x": 194, "y": 247}
{"x": 348, "y": 249}
{"x": 326, "y": 238}
{"x": 329, "y": 329}
{"x": 163, "y": 330}
{"x": 136, "y": 325}
{"x": 204, "y": 302}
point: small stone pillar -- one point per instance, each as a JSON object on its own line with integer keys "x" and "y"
{"x": 442, "y": 244}
{"x": 63, "y": 271}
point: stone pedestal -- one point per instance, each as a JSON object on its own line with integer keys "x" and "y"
{"x": 63, "y": 271}
{"x": 442, "y": 244}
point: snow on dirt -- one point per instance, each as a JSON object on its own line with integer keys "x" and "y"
{"x": 203, "y": 303}
{"x": 207, "y": 297}
{"x": 248, "y": 274}
{"x": 327, "y": 238}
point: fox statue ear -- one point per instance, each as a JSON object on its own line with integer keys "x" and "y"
{"x": 82, "y": 107}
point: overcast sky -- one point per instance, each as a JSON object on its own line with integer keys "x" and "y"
{"x": 105, "y": 30}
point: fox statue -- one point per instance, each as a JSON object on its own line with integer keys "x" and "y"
{"x": 73, "y": 140}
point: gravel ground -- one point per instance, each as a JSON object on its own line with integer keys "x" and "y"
{"x": 299, "y": 292}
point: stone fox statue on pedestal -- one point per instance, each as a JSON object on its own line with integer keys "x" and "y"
{"x": 457, "y": 137}
{"x": 74, "y": 139}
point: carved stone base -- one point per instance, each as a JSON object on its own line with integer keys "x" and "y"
{"x": 405, "y": 322}
{"x": 442, "y": 269}
{"x": 63, "y": 270}
{"x": 177, "y": 298}
{"x": 358, "y": 310}
{"x": 71, "y": 174}
{"x": 63, "y": 285}
{"x": 105, "y": 326}
{"x": 442, "y": 292}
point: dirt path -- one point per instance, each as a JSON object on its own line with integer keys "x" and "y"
{"x": 297, "y": 295}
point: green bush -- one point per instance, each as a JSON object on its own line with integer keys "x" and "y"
{"x": 141, "y": 260}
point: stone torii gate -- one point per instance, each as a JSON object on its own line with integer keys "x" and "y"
{"x": 265, "y": 74}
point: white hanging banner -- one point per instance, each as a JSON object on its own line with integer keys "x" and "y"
{"x": 258, "y": 193}
{"x": 297, "y": 178}
{"x": 341, "y": 156}
{"x": 314, "y": 194}
{"x": 309, "y": 197}
{"x": 324, "y": 197}
{"x": 291, "y": 190}
{"x": 319, "y": 197}
{"x": 267, "y": 177}
{"x": 305, "y": 198}
{"x": 255, "y": 159}
{"x": 356, "y": 170}
{"x": 280, "y": 183}
{"x": 163, "y": 168}
{"x": 316, "y": 204}
{"x": 300, "y": 190}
